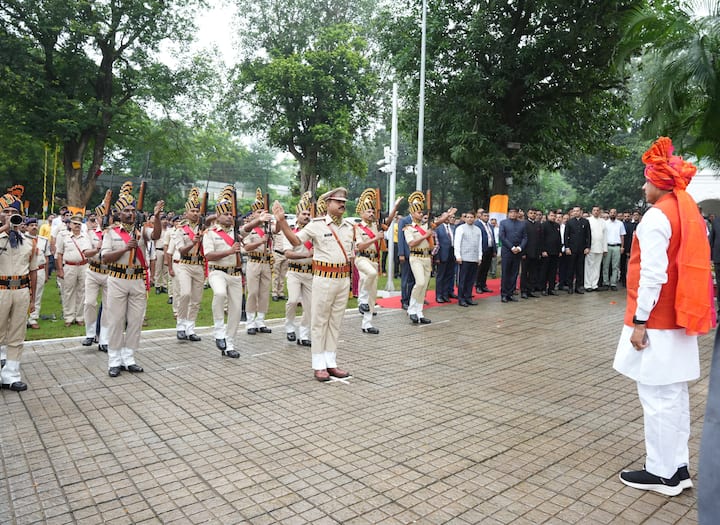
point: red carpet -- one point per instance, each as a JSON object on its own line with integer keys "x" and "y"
{"x": 394, "y": 302}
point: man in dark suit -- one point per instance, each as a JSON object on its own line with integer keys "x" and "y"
{"x": 407, "y": 279}
{"x": 530, "y": 275}
{"x": 715, "y": 254}
{"x": 489, "y": 250}
{"x": 551, "y": 250}
{"x": 577, "y": 246}
{"x": 445, "y": 259}
{"x": 513, "y": 239}
{"x": 630, "y": 224}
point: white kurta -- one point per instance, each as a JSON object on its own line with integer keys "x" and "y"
{"x": 671, "y": 356}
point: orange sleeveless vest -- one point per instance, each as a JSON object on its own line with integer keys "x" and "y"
{"x": 663, "y": 315}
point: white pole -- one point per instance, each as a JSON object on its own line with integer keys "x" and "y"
{"x": 390, "y": 286}
{"x": 421, "y": 115}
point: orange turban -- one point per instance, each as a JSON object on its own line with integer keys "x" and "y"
{"x": 665, "y": 170}
{"x": 694, "y": 298}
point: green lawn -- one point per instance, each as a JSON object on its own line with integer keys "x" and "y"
{"x": 158, "y": 315}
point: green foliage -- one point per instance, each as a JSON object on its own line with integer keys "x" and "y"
{"x": 679, "y": 69}
{"x": 306, "y": 84}
{"x": 534, "y": 73}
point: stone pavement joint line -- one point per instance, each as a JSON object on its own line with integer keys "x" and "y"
{"x": 497, "y": 414}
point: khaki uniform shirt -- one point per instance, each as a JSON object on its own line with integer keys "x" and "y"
{"x": 16, "y": 261}
{"x": 326, "y": 247}
{"x": 213, "y": 242}
{"x": 72, "y": 247}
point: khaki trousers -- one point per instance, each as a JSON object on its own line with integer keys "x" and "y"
{"x": 161, "y": 271}
{"x": 127, "y": 300}
{"x": 329, "y": 300}
{"x": 367, "y": 288}
{"x": 14, "y": 305}
{"x": 95, "y": 283}
{"x": 226, "y": 288}
{"x": 258, "y": 287}
{"x": 39, "y": 288}
{"x": 73, "y": 292}
{"x": 279, "y": 272}
{"x": 421, "y": 268}
{"x": 188, "y": 291}
{"x": 299, "y": 286}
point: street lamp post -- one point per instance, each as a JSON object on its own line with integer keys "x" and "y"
{"x": 421, "y": 105}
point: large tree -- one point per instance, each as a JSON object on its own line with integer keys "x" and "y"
{"x": 70, "y": 67}
{"x": 533, "y": 75}
{"x": 306, "y": 82}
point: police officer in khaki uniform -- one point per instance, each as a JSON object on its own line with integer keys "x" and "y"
{"x": 258, "y": 245}
{"x": 72, "y": 250}
{"x": 95, "y": 283}
{"x": 332, "y": 239}
{"x": 189, "y": 279}
{"x": 222, "y": 251}
{"x": 367, "y": 255}
{"x": 419, "y": 237}
{"x": 18, "y": 272}
{"x": 299, "y": 278}
{"x": 279, "y": 266}
{"x": 42, "y": 252}
{"x": 125, "y": 251}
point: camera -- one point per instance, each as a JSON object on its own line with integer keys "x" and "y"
{"x": 16, "y": 220}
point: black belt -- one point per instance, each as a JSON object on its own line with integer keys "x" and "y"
{"x": 614, "y": 244}
{"x": 14, "y": 282}
{"x": 230, "y": 270}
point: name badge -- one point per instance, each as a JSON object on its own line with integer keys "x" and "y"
{"x": 328, "y": 235}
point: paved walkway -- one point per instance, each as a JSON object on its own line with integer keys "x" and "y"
{"x": 497, "y": 414}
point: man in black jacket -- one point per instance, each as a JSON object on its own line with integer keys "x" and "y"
{"x": 715, "y": 254}
{"x": 551, "y": 250}
{"x": 577, "y": 246}
{"x": 530, "y": 276}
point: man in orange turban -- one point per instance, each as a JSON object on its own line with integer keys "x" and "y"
{"x": 669, "y": 303}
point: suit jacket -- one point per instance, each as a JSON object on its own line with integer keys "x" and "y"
{"x": 512, "y": 233}
{"x": 403, "y": 248}
{"x": 444, "y": 243}
{"x": 486, "y": 244}
{"x": 577, "y": 235}
{"x": 533, "y": 248}
{"x": 629, "y": 230}
{"x": 552, "y": 243}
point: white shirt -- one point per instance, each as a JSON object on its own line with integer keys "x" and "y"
{"x": 598, "y": 239}
{"x": 614, "y": 230}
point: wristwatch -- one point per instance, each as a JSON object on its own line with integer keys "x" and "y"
{"x": 637, "y": 321}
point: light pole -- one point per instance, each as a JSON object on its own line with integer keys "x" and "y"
{"x": 421, "y": 105}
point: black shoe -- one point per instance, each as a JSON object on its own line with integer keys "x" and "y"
{"x": 530, "y": 294}
{"x": 452, "y": 296}
{"x": 588, "y": 290}
{"x": 158, "y": 291}
{"x": 17, "y": 386}
{"x": 579, "y": 290}
{"x": 425, "y": 320}
{"x": 169, "y": 301}
{"x": 194, "y": 338}
{"x": 275, "y": 298}
{"x": 512, "y": 299}
{"x": 221, "y": 344}
{"x": 463, "y": 304}
{"x": 441, "y": 300}
{"x": 88, "y": 341}
{"x": 251, "y": 331}
{"x": 414, "y": 319}
{"x": 503, "y": 299}
{"x": 551, "y": 292}
{"x": 291, "y": 336}
{"x": 2, "y": 363}
{"x": 102, "y": 348}
{"x": 472, "y": 303}
{"x": 643, "y": 480}
{"x": 544, "y": 293}
{"x": 304, "y": 342}
{"x": 479, "y": 289}
{"x": 371, "y": 330}
{"x": 114, "y": 371}
{"x": 281, "y": 297}
{"x": 485, "y": 289}
{"x": 363, "y": 308}
{"x": 684, "y": 478}
{"x": 230, "y": 353}
{"x": 135, "y": 369}
{"x": 182, "y": 335}
{"x": 264, "y": 330}
{"x": 613, "y": 288}
{"x": 405, "y": 306}
{"x": 524, "y": 295}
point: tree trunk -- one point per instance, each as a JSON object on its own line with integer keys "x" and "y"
{"x": 499, "y": 182}
{"x": 308, "y": 173}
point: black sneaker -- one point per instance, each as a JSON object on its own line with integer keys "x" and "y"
{"x": 643, "y": 480}
{"x": 684, "y": 478}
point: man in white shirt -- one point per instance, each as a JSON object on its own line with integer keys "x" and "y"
{"x": 598, "y": 248}
{"x": 615, "y": 230}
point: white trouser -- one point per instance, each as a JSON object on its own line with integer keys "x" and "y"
{"x": 666, "y": 416}
{"x": 593, "y": 260}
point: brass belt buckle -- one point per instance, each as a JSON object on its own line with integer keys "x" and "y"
{"x": 14, "y": 282}
{"x": 130, "y": 271}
